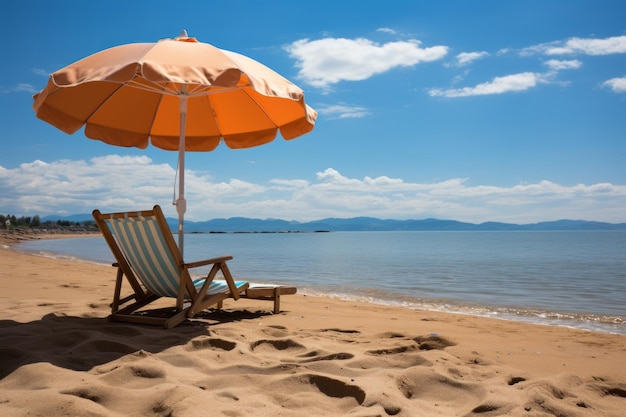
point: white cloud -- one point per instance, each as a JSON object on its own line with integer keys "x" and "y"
{"x": 18, "y": 88}
{"x": 109, "y": 183}
{"x": 499, "y": 85}
{"x": 618, "y": 85}
{"x": 558, "y": 65}
{"x": 465, "y": 58}
{"x": 289, "y": 184}
{"x": 613, "y": 45}
{"x": 582, "y": 46}
{"x": 342, "y": 111}
{"x": 509, "y": 83}
{"x": 328, "y": 61}
{"x": 42, "y": 72}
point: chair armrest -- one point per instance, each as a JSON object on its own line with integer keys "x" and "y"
{"x": 207, "y": 262}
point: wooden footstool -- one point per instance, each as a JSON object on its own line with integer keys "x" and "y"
{"x": 269, "y": 292}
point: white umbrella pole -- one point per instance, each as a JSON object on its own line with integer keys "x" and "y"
{"x": 181, "y": 204}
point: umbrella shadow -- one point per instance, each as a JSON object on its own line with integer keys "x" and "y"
{"x": 82, "y": 343}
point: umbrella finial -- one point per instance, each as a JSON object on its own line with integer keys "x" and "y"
{"x": 184, "y": 37}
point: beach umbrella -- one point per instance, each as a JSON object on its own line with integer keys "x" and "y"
{"x": 176, "y": 94}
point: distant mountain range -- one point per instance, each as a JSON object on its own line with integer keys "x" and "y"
{"x": 244, "y": 224}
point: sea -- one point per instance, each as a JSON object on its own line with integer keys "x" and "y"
{"x": 574, "y": 279}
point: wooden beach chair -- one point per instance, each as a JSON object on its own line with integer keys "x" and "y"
{"x": 147, "y": 255}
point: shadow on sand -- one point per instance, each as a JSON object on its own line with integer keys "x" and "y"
{"x": 79, "y": 343}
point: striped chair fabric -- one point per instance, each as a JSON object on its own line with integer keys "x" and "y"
{"x": 142, "y": 242}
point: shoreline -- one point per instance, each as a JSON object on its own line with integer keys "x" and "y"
{"x": 320, "y": 355}
{"x": 16, "y": 236}
{"x": 595, "y": 322}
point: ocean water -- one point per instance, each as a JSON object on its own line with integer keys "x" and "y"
{"x": 565, "y": 278}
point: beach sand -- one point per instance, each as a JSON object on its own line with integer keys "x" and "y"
{"x": 320, "y": 356}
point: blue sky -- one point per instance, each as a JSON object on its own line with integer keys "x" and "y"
{"x": 476, "y": 111}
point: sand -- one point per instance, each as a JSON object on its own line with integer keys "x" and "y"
{"x": 320, "y": 356}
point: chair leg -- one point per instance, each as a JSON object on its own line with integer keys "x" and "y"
{"x": 269, "y": 293}
{"x": 276, "y": 300}
{"x": 118, "y": 289}
{"x": 176, "y": 319}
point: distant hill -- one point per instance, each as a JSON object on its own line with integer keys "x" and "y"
{"x": 75, "y": 218}
{"x": 244, "y": 224}
{"x": 240, "y": 224}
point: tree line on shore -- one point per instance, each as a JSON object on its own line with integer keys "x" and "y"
{"x": 12, "y": 221}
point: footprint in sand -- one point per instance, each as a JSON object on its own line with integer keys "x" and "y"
{"x": 392, "y": 351}
{"x": 330, "y": 357}
{"x": 227, "y": 394}
{"x": 400, "y": 357}
{"x": 393, "y": 335}
{"x": 561, "y": 395}
{"x": 147, "y": 372}
{"x": 276, "y": 331}
{"x": 431, "y": 342}
{"x": 389, "y": 362}
{"x": 614, "y": 391}
{"x": 340, "y": 330}
{"x": 516, "y": 380}
{"x": 330, "y": 387}
{"x": 134, "y": 376}
{"x": 427, "y": 384}
{"x": 342, "y": 334}
{"x": 279, "y": 344}
{"x": 212, "y": 343}
{"x": 491, "y": 409}
{"x": 162, "y": 409}
{"x": 84, "y": 393}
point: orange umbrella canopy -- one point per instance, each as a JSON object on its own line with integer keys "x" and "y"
{"x": 131, "y": 95}
{"x": 178, "y": 94}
